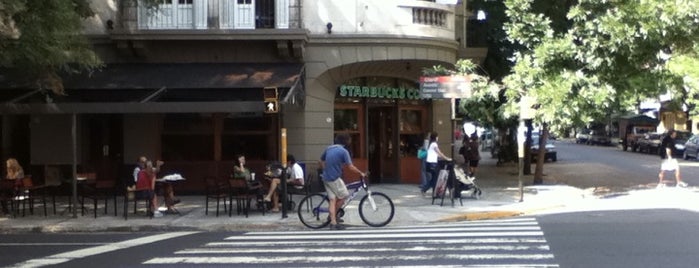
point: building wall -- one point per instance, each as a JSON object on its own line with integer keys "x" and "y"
{"x": 330, "y": 62}
{"x": 369, "y": 17}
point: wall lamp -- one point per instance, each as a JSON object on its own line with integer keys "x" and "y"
{"x": 330, "y": 27}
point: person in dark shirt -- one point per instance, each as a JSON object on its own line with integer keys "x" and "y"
{"x": 669, "y": 163}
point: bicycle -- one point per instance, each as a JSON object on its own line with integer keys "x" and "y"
{"x": 376, "y": 209}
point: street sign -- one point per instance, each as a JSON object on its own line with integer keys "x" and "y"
{"x": 271, "y": 106}
{"x": 445, "y": 87}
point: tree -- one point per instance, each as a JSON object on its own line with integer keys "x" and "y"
{"x": 44, "y": 39}
{"x": 609, "y": 55}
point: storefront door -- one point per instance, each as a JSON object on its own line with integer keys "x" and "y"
{"x": 383, "y": 147}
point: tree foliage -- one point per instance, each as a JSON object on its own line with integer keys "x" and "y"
{"x": 612, "y": 54}
{"x": 47, "y": 40}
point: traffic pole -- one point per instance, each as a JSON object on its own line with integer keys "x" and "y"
{"x": 285, "y": 200}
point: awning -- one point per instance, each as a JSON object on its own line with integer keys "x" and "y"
{"x": 159, "y": 88}
{"x": 188, "y": 76}
{"x": 639, "y": 119}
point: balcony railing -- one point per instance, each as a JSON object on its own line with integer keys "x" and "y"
{"x": 429, "y": 16}
{"x": 215, "y": 14}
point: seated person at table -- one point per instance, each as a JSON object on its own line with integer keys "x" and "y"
{"x": 295, "y": 179}
{"x": 168, "y": 191}
{"x": 14, "y": 173}
{"x": 145, "y": 187}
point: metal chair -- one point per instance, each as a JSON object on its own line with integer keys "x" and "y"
{"x": 216, "y": 189}
{"x": 28, "y": 192}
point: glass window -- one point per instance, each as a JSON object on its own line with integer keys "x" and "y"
{"x": 187, "y": 137}
{"x": 246, "y": 123}
{"x": 252, "y": 136}
{"x": 411, "y": 121}
{"x": 346, "y": 120}
{"x": 251, "y": 145}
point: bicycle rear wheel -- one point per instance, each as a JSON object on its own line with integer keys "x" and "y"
{"x": 377, "y": 215}
{"x": 313, "y": 211}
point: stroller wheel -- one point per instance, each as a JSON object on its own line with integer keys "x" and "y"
{"x": 476, "y": 194}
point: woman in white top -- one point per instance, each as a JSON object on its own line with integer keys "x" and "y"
{"x": 433, "y": 154}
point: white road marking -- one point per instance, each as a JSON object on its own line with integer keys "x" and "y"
{"x": 82, "y": 253}
{"x": 335, "y": 258}
{"x": 350, "y": 250}
{"x": 332, "y": 236}
{"x": 41, "y": 244}
{"x": 532, "y": 226}
{"x": 509, "y": 243}
{"x": 376, "y": 241}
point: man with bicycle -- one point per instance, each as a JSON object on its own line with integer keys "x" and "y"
{"x": 333, "y": 159}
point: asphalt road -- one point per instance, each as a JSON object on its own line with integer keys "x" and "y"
{"x": 586, "y": 166}
{"x": 630, "y": 238}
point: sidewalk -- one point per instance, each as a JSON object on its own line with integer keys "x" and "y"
{"x": 500, "y": 199}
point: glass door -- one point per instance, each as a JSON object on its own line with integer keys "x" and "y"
{"x": 383, "y": 148}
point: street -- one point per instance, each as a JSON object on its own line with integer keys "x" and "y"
{"x": 647, "y": 228}
{"x": 631, "y": 238}
{"x": 585, "y": 166}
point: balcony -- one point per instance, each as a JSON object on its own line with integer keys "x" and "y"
{"x": 215, "y": 14}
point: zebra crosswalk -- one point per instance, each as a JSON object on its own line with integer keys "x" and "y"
{"x": 497, "y": 243}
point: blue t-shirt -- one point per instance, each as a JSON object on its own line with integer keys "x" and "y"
{"x": 335, "y": 157}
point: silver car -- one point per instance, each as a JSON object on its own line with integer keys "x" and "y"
{"x": 690, "y": 147}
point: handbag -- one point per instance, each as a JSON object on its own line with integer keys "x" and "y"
{"x": 422, "y": 153}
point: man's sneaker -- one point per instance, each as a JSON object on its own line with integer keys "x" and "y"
{"x": 337, "y": 226}
{"x": 157, "y": 214}
{"x": 339, "y": 219}
{"x": 681, "y": 184}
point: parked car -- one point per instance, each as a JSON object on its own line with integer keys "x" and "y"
{"x": 691, "y": 147}
{"x": 583, "y": 136}
{"x": 551, "y": 153}
{"x": 599, "y": 137}
{"x": 650, "y": 142}
{"x": 680, "y": 141}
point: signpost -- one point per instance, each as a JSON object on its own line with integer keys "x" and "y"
{"x": 445, "y": 87}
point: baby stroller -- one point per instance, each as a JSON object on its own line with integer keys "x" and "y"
{"x": 464, "y": 182}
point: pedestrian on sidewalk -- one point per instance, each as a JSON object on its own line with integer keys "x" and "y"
{"x": 333, "y": 159}
{"x": 424, "y": 175}
{"x": 433, "y": 155}
{"x": 473, "y": 155}
{"x": 669, "y": 163}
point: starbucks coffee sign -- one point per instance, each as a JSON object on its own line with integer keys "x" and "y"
{"x": 379, "y": 92}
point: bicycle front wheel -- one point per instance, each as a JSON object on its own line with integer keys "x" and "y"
{"x": 377, "y": 213}
{"x": 313, "y": 211}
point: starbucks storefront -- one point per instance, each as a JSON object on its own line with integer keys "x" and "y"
{"x": 387, "y": 121}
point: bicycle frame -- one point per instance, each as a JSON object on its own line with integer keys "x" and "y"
{"x": 314, "y": 208}
{"x": 354, "y": 188}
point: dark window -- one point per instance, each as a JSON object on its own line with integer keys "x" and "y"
{"x": 187, "y": 137}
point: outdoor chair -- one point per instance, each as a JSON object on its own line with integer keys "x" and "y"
{"x": 242, "y": 193}
{"x": 133, "y": 194}
{"x": 216, "y": 189}
{"x": 97, "y": 191}
{"x": 302, "y": 191}
{"x": 28, "y": 193}
{"x": 7, "y": 195}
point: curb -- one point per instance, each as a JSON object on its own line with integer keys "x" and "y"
{"x": 487, "y": 215}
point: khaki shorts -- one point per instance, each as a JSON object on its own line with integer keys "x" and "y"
{"x": 669, "y": 165}
{"x": 336, "y": 189}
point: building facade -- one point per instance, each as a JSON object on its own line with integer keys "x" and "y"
{"x": 187, "y": 82}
